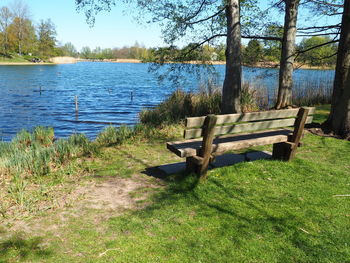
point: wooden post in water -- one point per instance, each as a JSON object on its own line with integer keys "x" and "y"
{"x": 76, "y": 105}
{"x": 40, "y": 89}
{"x": 132, "y": 95}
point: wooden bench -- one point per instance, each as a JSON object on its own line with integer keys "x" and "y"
{"x": 222, "y": 133}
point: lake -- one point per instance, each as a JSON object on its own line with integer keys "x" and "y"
{"x": 108, "y": 93}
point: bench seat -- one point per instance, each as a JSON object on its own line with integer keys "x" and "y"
{"x": 225, "y": 143}
{"x": 211, "y": 135}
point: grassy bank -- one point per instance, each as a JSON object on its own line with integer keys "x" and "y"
{"x": 181, "y": 104}
{"x": 14, "y": 59}
{"x": 262, "y": 211}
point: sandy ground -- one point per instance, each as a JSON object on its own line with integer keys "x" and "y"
{"x": 52, "y": 61}
{"x": 63, "y": 60}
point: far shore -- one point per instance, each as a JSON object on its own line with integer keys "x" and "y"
{"x": 71, "y": 60}
{"x": 265, "y": 64}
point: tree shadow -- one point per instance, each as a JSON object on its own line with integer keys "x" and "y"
{"x": 23, "y": 248}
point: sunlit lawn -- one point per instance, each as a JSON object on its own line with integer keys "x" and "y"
{"x": 262, "y": 211}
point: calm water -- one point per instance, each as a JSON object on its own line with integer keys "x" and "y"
{"x": 108, "y": 93}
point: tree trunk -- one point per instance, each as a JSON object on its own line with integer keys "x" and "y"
{"x": 339, "y": 118}
{"x": 284, "y": 97}
{"x": 231, "y": 92}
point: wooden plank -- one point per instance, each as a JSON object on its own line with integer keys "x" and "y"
{"x": 297, "y": 134}
{"x": 208, "y": 136}
{"x": 230, "y": 142}
{"x": 244, "y": 117}
{"x": 238, "y": 128}
{"x": 299, "y": 125}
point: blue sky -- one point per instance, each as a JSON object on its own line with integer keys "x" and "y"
{"x": 114, "y": 29}
{"x": 111, "y": 29}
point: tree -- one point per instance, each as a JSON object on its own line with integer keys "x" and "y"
{"x": 323, "y": 55}
{"x": 21, "y": 23}
{"x": 231, "y": 90}
{"x": 272, "y": 48}
{"x": 205, "y": 21}
{"x": 22, "y": 36}
{"x": 46, "y": 37}
{"x": 284, "y": 97}
{"x": 339, "y": 118}
{"x": 69, "y": 50}
{"x": 6, "y": 18}
{"x": 86, "y": 53}
{"x": 253, "y": 53}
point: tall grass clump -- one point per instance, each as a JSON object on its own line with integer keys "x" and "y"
{"x": 180, "y": 105}
{"x": 44, "y": 135}
{"x": 37, "y": 153}
{"x": 112, "y": 135}
{"x": 82, "y": 142}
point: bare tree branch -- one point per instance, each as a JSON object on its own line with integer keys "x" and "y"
{"x": 205, "y": 19}
{"x": 326, "y": 3}
{"x": 316, "y": 35}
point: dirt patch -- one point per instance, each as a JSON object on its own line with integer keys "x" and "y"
{"x": 324, "y": 132}
{"x": 113, "y": 194}
{"x": 95, "y": 200}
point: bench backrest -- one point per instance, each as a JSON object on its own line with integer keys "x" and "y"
{"x": 245, "y": 122}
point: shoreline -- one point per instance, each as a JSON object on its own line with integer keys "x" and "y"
{"x": 25, "y": 63}
{"x": 265, "y": 64}
{"x": 56, "y": 61}
{"x": 51, "y": 61}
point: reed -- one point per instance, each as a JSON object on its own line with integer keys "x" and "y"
{"x": 180, "y": 104}
{"x": 313, "y": 93}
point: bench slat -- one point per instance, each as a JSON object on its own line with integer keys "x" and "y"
{"x": 251, "y": 116}
{"x": 230, "y": 142}
{"x": 252, "y": 126}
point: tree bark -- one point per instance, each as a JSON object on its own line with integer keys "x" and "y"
{"x": 231, "y": 92}
{"x": 284, "y": 97}
{"x": 339, "y": 118}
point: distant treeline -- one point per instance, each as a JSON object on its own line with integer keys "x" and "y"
{"x": 254, "y": 52}
{"x": 21, "y": 37}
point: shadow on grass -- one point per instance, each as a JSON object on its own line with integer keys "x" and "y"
{"x": 22, "y": 248}
{"x": 238, "y": 208}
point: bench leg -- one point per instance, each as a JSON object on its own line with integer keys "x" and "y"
{"x": 191, "y": 166}
{"x": 284, "y": 151}
{"x": 198, "y": 165}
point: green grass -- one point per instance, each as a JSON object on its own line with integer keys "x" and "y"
{"x": 14, "y": 60}
{"x": 321, "y": 113}
{"x": 262, "y": 211}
